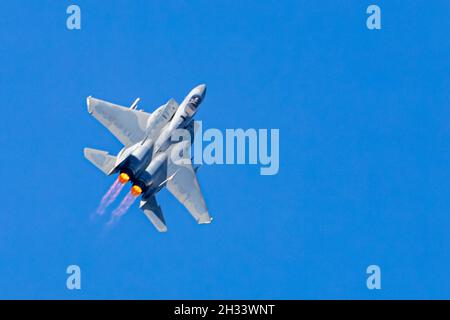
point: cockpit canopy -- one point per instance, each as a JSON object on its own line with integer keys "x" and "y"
{"x": 195, "y": 101}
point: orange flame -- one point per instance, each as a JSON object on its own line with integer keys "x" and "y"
{"x": 136, "y": 190}
{"x": 124, "y": 178}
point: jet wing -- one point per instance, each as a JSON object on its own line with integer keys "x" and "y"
{"x": 184, "y": 186}
{"x": 127, "y": 125}
{"x": 154, "y": 213}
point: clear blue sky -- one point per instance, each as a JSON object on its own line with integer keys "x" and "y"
{"x": 364, "y": 119}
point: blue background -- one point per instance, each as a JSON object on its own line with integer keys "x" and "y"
{"x": 364, "y": 148}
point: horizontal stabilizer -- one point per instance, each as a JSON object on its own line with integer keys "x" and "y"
{"x": 154, "y": 213}
{"x": 101, "y": 159}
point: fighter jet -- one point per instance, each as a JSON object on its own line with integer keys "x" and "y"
{"x": 145, "y": 160}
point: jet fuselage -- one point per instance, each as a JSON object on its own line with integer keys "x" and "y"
{"x": 144, "y": 163}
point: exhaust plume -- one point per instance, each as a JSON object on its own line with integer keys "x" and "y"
{"x": 110, "y": 196}
{"x": 122, "y": 208}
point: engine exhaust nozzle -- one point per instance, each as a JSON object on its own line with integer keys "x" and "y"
{"x": 124, "y": 178}
{"x": 136, "y": 190}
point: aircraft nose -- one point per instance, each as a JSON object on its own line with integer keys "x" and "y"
{"x": 201, "y": 89}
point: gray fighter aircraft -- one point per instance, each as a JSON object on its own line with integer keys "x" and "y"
{"x": 146, "y": 159}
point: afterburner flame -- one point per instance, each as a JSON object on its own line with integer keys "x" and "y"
{"x": 136, "y": 190}
{"x": 124, "y": 178}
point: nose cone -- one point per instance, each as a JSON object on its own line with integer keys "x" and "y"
{"x": 201, "y": 90}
